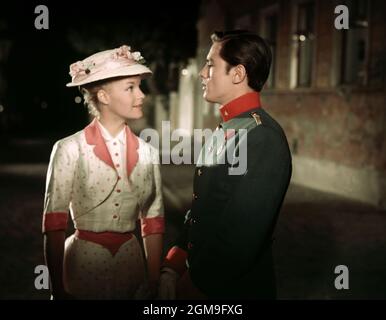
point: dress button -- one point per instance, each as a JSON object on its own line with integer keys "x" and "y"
{"x": 115, "y": 216}
{"x": 117, "y": 204}
{"x": 114, "y": 143}
{"x": 118, "y": 190}
{"x": 195, "y": 197}
{"x": 199, "y": 172}
{"x": 190, "y": 245}
{"x": 117, "y": 154}
{"x": 117, "y": 165}
{"x": 119, "y": 178}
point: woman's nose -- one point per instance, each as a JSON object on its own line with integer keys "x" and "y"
{"x": 141, "y": 94}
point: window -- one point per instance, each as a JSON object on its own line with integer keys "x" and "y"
{"x": 304, "y": 41}
{"x": 355, "y": 44}
{"x": 271, "y": 26}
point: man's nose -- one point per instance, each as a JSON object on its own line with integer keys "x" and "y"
{"x": 203, "y": 73}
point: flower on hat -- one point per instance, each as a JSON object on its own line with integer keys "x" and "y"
{"x": 124, "y": 52}
{"x": 79, "y": 67}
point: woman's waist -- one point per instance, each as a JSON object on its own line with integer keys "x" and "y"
{"x": 109, "y": 239}
{"x": 107, "y": 235}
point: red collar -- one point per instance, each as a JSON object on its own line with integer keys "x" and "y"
{"x": 94, "y": 137}
{"x": 240, "y": 105}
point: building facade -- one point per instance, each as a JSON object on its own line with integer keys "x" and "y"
{"x": 326, "y": 88}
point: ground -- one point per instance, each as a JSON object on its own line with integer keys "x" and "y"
{"x": 315, "y": 232}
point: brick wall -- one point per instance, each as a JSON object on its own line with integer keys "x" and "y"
{"x": 337, "y": 134}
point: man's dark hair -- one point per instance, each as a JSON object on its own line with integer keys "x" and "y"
{"x": 248, "y": 49}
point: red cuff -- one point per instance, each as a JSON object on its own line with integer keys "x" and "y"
{"x": 176, "y": 260}
{"x": 152, "y": 226}
{"x": 53, "y": 221}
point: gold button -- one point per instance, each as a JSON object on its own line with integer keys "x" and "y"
{"x": 199, "y": 172}
{"x": 195, "y": 196}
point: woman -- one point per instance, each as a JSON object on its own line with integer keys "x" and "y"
{"x": 107, "y": 178}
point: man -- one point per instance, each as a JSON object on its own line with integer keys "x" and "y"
{"x": 225, "y": 249}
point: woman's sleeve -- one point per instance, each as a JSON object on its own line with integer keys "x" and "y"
{"x": 58, "y": 190}
{"x": 152, "y": 219}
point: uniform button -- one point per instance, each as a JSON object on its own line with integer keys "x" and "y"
{"x": 199, "y": 172}
{"x": 190, "y": 245}
{"x": 195, "y": 197}
{"x": 192, "y": 221}
{"x": 118, "y": 190}
{"x": 115, "y": 216}
{"x": 117, "y": 204}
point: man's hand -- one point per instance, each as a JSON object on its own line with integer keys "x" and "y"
{"x": 167, "y": 284}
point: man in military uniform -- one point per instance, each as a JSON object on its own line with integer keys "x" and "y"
{"x": 240, "y": 181}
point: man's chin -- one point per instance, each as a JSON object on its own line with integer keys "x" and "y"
{"x": 206, "y": 98}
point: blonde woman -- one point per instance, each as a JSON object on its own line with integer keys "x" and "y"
{"x": 105, "y": 178}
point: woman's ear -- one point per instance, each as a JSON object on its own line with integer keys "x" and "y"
{"x": 103, "y": 96}
{"x": 239, "y": 74}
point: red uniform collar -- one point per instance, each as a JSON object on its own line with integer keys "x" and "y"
{"x": 240, "y": 105}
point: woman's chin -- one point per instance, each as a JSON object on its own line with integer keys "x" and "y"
{"x": 138, "y": 114}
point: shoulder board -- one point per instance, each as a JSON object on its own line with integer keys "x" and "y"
{"x": 256, "y": 117}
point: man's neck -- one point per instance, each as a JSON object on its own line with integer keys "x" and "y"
{"x": 236, "y": 94}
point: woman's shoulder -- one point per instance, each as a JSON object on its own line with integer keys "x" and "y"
{"x": 147, "y": 148}
{"x": 146, "y": 145}
{"x": 71, "y": 141}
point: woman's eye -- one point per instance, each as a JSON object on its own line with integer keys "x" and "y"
{"x": 130, "y": 88}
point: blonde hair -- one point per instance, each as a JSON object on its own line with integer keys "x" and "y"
{"x": 90, "y": 97}
{"x": 90, "y": 94}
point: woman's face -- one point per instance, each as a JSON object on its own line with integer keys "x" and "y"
{"x": 124, "y": 97}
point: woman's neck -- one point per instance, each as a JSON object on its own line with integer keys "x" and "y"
{"x": 113, "y": 126}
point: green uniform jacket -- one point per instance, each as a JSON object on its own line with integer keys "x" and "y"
{"x": 228, "y": 231}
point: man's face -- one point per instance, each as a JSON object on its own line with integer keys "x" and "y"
{"x": 216, "y": 83}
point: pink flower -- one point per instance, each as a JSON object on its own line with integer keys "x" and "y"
{"x": 124, "y": 52}
{"x": 76, "y": 68}
{"x": 80, "y": 67}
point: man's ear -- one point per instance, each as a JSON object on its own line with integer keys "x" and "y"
{"x": 239, "y": 74}
{"x": 103, "y": 96}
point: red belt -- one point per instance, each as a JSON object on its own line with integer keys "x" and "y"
{"x": 110, "y": 240}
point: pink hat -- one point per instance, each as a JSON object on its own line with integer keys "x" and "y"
{"x": 108, "y": 64}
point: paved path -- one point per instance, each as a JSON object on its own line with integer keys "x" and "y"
{"x": 315, "y": 232}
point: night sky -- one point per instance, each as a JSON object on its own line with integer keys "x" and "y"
{"x": 36, "y": 71}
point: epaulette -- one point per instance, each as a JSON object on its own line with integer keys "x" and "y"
{"x": 256, "y": 117}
